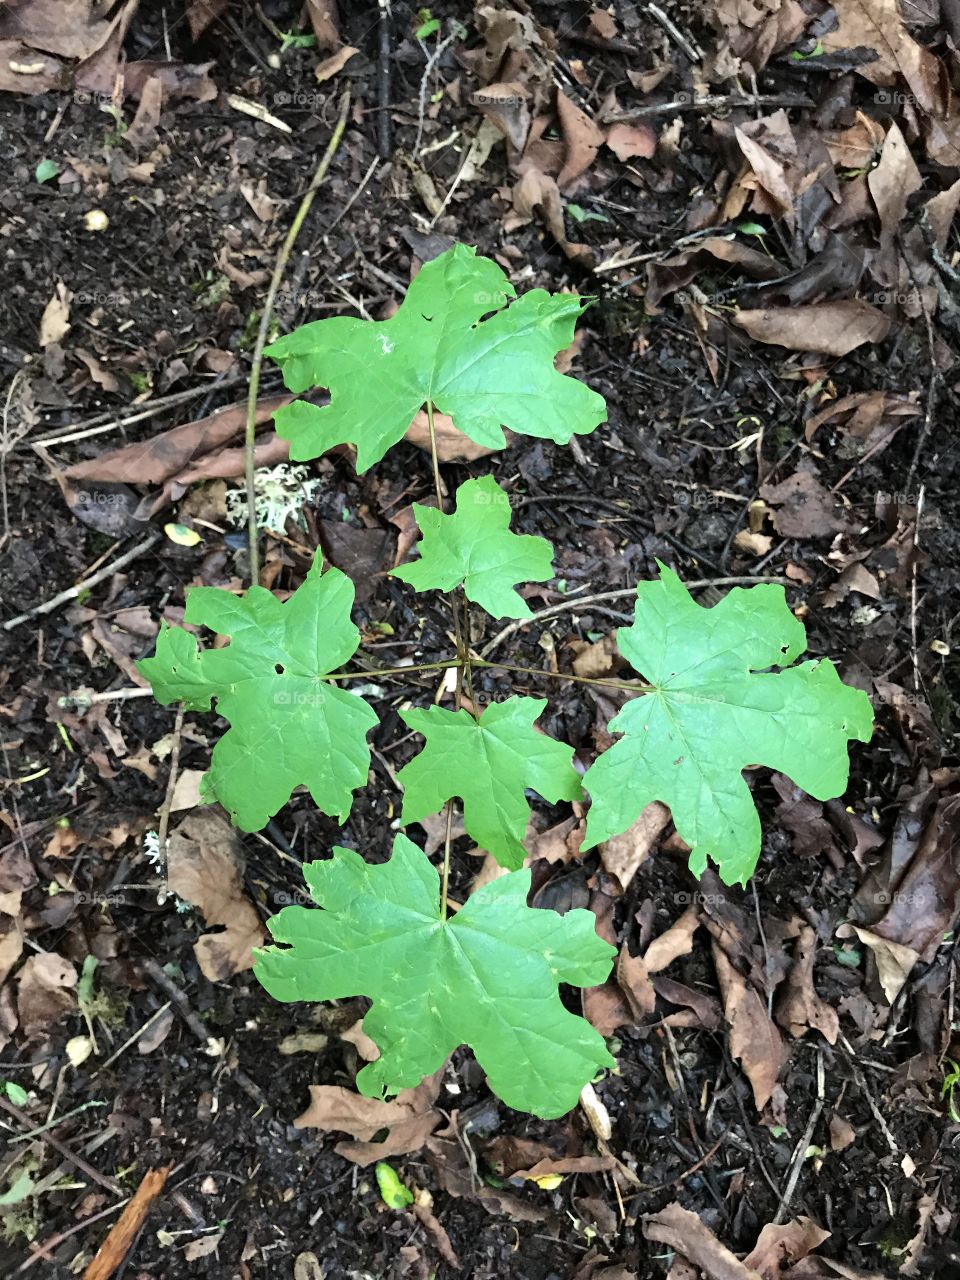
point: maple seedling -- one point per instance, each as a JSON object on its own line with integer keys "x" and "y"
{"x": 722, "y": 690}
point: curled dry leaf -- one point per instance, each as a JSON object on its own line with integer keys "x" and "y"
{"x": 673, "y": 942}
{"x": 336, "y": 62}
{"x": 55, "y": 321}
{"x": 754, "y": 1040}
{"x": 799, "y": 1009}
{"x": 624, "y": 854}
{"x": 675, "y": 273}
{"x": 506, "y": 106}
{"x": 926, "y": 903}
{"x": 204, "y": 867}
{"x": 582, "y": 140}
{"x": 452, "y": 445}
{"x": 831, "y": 328}
{"x": 409, "y": 1119}
{"x": 162, "y": 457}
{"x": 892, "y": 182}
{"x": 683, "y": 1232}
{"x": 894, "y": 961}
{"x": 780, "y": 1245}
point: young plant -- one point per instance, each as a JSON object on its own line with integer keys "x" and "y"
{"x": 721, "y": 690}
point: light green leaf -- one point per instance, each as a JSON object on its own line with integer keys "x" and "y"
{"x": 485, "y": 373}
{"x": 288, "y": 726}
{"x": 487, "y": 977}
{"x": 488, "y": 763}
{"x": 392, "y": 1191}
{"x": 15, "y": 1092}
{"x": 46, "y": 170}
{"x": 475, "y": 546}
{"x": 715, "y": 710}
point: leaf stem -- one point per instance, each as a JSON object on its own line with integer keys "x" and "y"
{"x": 463, "y": 660}
{"x": 253, "y": 391}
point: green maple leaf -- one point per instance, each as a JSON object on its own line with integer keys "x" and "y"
{"x": 714, "y": 711}
{"x": 486, "y": 977}
{"x": 437, "y": 348}
{"x": 487, "y": 763}
{"x": 288, "y": 726}
{"x": 475, "y": 546}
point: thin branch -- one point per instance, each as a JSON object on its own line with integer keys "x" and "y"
{"x": 265, "y": 318}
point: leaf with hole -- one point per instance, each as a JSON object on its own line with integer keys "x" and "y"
{"x": 486, "y": 977}
{"x": 488, "y": 763}
{"x": 715, "y": 708}
{"x": 474, "y": 546}
{"x": 457, "y": 342}
{"x": 289, "y": 726}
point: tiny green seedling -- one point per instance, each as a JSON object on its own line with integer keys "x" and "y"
{"x": 721, "y": 689}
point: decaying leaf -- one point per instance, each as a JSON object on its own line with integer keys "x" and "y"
{"x": 894, "y": 961}
{"x": 833, "y": 328}
{"x": 204, "y": 868}
{"x": 799, "y": 1009}
{"x": 754, "y": 1040}
{"x": 684, "y": 1232}
{"x": 408, "y": 1119}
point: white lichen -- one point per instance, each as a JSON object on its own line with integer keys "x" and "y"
{"x": 282, "y": 493}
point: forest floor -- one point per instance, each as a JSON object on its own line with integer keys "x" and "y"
{"x": 769, "y": 241}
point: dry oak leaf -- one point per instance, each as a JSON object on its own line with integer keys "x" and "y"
{"x": 831, "y": 328}
{"x": 804, "y": 508}
{"x": 204, "y": 868}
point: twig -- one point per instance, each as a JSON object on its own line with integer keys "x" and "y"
{"x": 622, "y": 593}
{"x": 42, "y": 1251}
{"x": 692, "y": 50}
{"x": 865, "y": 1090}
{"x": 164, "y": 823}
{"x": 711, "y": 102}
{"x": 132, "y": 1040}
{"x": 265, "y": 318}
{"x": 800, "y": 1150}
{"x": 87, "y": 584}
{"x": 103, "y": 422}
{"x": 124, "y": 1231}
{"x": 62, "y": 1149}
{"x": 384, "y": 131}
{"x": 209, "y": 1042}
{"x": 913, "y": 590}
{"x": 432, "y": 60}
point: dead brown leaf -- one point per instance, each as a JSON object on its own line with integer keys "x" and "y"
{"x": 877, "y": 25}
{"x": 798, "y": 1008}
{"x": 325, "y": 20}
{"x": 204, "y": 868}
{"x": 831, "y": 328}
{"x": 842, "y": 1133}
{"x": 675, "y": 273}
{"x": 634, "y": 981}
{"x": 336, "y": 62}
{"x": 506, "y": 106}
{"x": 55, "y": 321}
{"x": 673, "y": 942}
{"x": 627, "y": 141}
{"x": 201, "y": 13}
{"x": 925, "y": 904}
{"x": 779, "y": 1246}
{"x": 45, "y": 993}
{"x": 452, "y": 444}
{"x": 892, "y": 182}
{"x": 683, "y": 1232}
{"x": 409, "y": 1119}
{"x": 624, "y": 854}
{"x": 866, "y": 416}
{"x": 803, "y": 507}
{"x": 597, "y": 660}
{"x": 163, "y": 456}
{"x": 894, "y": 961}
{"x": 754, "y": 1040}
